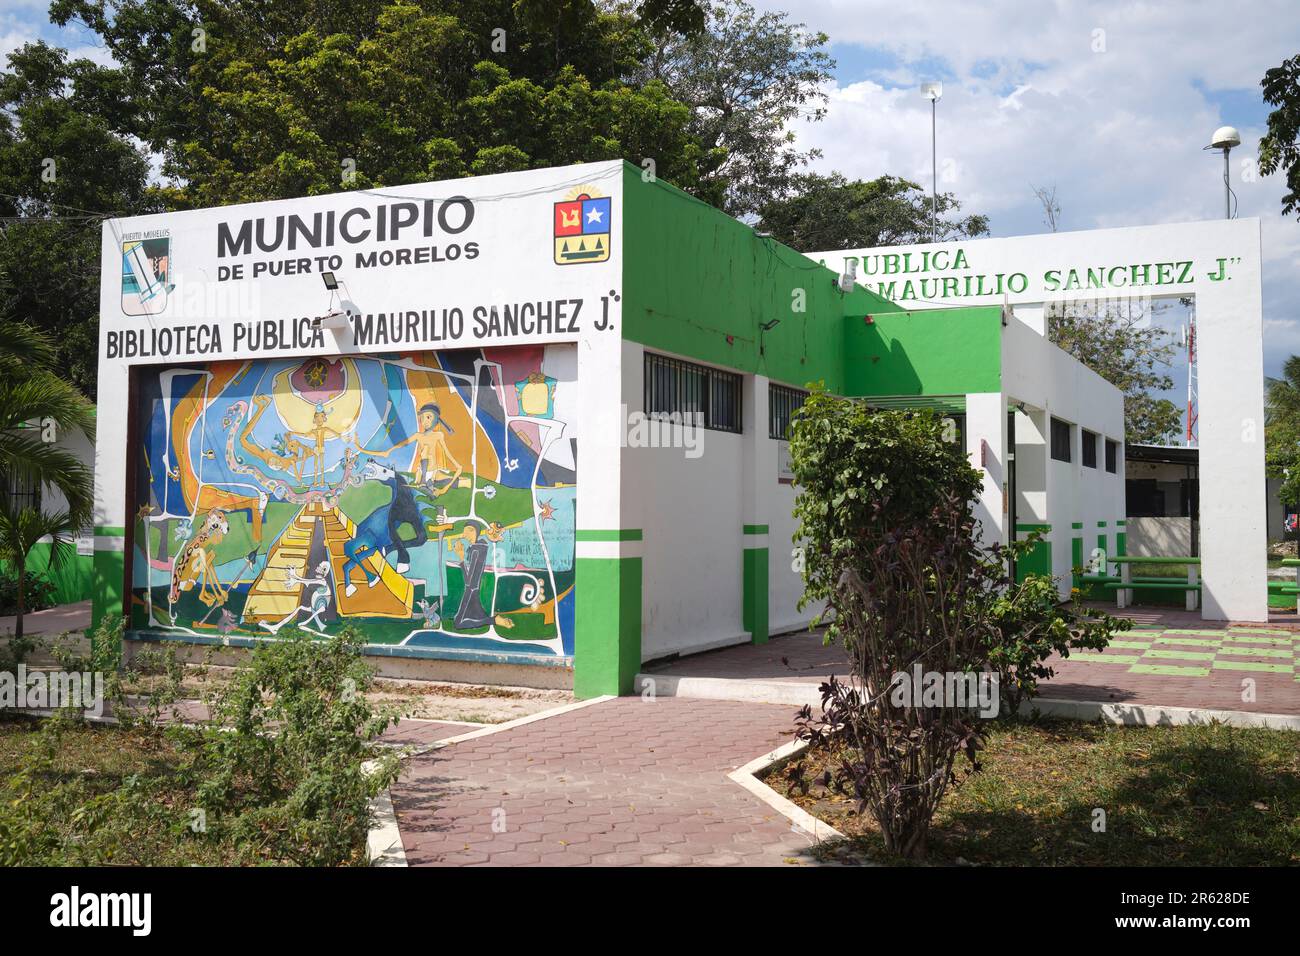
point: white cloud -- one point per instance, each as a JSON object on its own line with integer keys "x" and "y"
{"x": 1116, "y": 120}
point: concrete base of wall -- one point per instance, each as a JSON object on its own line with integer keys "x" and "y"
{"x": 397, "y": 668}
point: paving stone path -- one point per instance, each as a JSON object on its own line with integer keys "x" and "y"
{"x": 620, "y": 782}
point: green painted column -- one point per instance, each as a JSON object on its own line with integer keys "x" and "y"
{"x": 107, "y": 573}
{"x": 1076, "y": 553}
{"x": 1121, "y": 539}
{"x": 1101, "y": 539}
{"x": 754, "y": 582}
{"x": 1039, "y": 559}
{"x": 607, "y": 643}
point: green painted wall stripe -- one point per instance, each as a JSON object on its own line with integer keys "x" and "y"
{"x": 1033, "y": 527}
{"x": 1076, "y": 525}
{"x": 607, "y": 639}
{"x": 1122, "y": 524}
{"x": 755, "y": 529}
{"x": 945, "y": 352}
{"x": 110, "y": 531}
{"x": 1101, "y": 524}
{"x": 754, "y": 594}
{"x": 617, "y": 534}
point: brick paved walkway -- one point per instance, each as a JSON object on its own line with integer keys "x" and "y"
{"x": 1171, "y": 658}
{"x": 621, "y": 782}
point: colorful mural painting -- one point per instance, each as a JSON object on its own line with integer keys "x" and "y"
{"x": 427, "y": 498}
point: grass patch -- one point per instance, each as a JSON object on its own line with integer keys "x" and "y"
{"x": 91, "y": 795}
{"x": 1183, "y": 796}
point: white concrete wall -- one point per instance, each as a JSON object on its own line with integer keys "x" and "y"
{"x": 1052, "y": 384}
{"x": 691, "y": 515}
{"x": 1217, "y": 262}
{"x": 1160, "y": 537}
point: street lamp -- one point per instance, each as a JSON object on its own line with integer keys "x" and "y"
{"x": 1224, "y": 138}
{"x": 933, "y": 91}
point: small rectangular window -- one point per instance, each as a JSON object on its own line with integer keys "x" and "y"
{"x": 1089, "y": 449}
{"x": 1112, "y": 455}
{"x": 782, "y": 403}
{"x": 692, "y": 393}
{"x": 1060, "y": 440}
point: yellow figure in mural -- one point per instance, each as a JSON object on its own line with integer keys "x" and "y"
{"x": 318, "y": 434}
{"x": 432, "y": 457}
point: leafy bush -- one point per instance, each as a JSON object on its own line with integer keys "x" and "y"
{"x": 286, "y": 764}
{"x": 1031, "y": 624}
{"x": 890, "y": 544}
{"x": 38, "y": 591}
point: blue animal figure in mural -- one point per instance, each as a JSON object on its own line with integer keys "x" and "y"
{"x": 378, "y": 531}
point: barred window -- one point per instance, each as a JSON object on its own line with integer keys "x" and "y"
{"x": 1060, "y": 440}
{"x": 692, "y": 393}
{"x": 1112, "y": 455}
{"x": 20, "y": 493}
{"x": 782, "y": 403}
{"x": 1089, "y": 449}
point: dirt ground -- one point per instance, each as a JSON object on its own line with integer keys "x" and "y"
{"x": 429, "y": 700}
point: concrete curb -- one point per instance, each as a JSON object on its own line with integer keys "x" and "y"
{"x": 794, "y": 694}
{"x": 1133, "y": 715}
{"x": 1158, "y": 715}
{"x": 384, "y": 841}
{"x": 747, "y": 777}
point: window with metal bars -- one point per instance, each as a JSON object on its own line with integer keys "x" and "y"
{"x": 20, "y": 494}
{"x": 1089, "y": 449}
{"x": 782, "y": 403}
{"x": 1112, "y": 455}
{"x": 692, "y": 393}
{"x": 1060, "y": 440}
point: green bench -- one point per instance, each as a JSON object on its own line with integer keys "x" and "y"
{"x": 1127, "y": 583}
{"x": 1292, "y": 563}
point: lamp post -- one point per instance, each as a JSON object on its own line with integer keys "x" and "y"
{"x": 1224, "y": 138}
{"x": 933, "y": 91}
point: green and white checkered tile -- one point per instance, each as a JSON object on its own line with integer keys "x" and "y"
{"x": 1198, "y": 652}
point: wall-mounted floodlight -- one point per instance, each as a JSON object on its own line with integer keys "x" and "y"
{"x": 330, "y": 281}
{"x": 849, "y": 276}
{"x": 932, "y": 90}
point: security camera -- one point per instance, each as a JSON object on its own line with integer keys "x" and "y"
{"x": 1225, "y": 137}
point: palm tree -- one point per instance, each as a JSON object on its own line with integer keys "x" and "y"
{"x": 35, "y": 407}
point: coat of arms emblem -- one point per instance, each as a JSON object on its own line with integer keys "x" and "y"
{"x": 582, "y": 227}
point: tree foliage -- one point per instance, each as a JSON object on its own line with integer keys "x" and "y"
{"x": 1282, "y": 430}
{"x": 36, "y": 407}
{"x": 1127, "y": 350}
{"x": 65, "y": 159}
{"x": 885, "y": 515}
{"x": 831, "y": 212}
{"x": 747, "y": 77}
{"x": 267, "y": 101}
{"x": 1279, "y": 149}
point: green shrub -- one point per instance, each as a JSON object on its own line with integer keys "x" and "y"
{"x": 1031, "y": 624}
{"x": 286, "y": 764}
{"x": 38, "y": 592}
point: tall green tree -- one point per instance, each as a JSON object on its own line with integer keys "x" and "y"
{"x": 1282, "y": 430}
{"x": 249, "y": 101}
{"x": 1279, "y": 149}
{"x": 747, "y": 78}
{"x": 831, "y": 212}
{"x": 1122, "y": 346}
{"x": 66, "y": 160}
{"x": 37, "y": 406}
